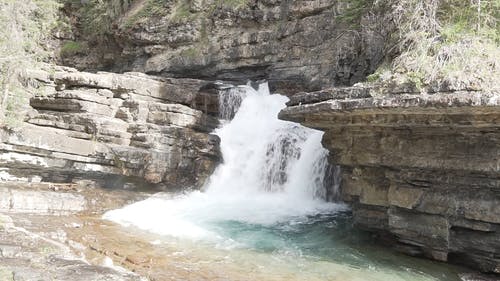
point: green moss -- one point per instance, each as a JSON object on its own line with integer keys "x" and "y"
{"x": 47, "y": 250}
{"x": 204, "y": 32}
{"x": 120, "y": 164}
{"x": 416, "y": 78}
{"x": 373, "y": 77}
{"x": 72, "y": 48}
{"x": 381, "y": 71}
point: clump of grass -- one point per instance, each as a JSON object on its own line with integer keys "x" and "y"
{"x": 475, "y": 17}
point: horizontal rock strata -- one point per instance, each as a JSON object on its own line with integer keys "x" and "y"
{"x": 424, "y": 168}
{"x": 296, "y": 45}
{"x": 121, "y": 130}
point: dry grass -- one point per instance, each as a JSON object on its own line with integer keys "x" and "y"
{"x": 442, "y": 47}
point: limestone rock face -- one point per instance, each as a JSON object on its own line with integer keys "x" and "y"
{"x": 424, "y": 168}
{"x": 118, "y": 129}
{"x": 296, "y": 45}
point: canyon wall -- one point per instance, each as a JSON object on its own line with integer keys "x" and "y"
{"x": 127, "y": 128}
{"x": 295, "y": 45}
{"x": 119, "y": 130}
{"x": 421, "y": 168}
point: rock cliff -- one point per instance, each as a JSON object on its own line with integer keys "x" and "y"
{"x": 121, "y": 130}
{"x": 295, "y": 45}
{"x": 423, "y": 168}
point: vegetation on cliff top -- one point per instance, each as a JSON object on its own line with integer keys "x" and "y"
{"x": 24, "y": 30}
{"x": 447, "y": 44}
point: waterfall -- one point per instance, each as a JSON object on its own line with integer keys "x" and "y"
{"x": 264, "y": 154}
{"x": 230, "y": 99}
{"x": 264, "y": 213}
{"x": 272, "y": 171}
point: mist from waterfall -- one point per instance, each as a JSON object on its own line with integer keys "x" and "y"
{"x": 272, "y": 171}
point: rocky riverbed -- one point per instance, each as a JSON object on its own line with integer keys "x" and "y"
{"x": 41, "y": 240}
{"x": 35, "y": 241}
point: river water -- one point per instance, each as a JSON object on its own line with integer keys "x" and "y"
{"x": 267, "y": 210}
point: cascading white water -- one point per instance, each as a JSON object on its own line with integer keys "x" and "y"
{"x": 263, "y": 154}
{"x": 230, "y": 99}
{"x": 264, "y": 208}
{"x": 273, "y": 171}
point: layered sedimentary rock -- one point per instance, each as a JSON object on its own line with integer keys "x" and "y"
{"x": 118, "y": 129}
{"x": 424, "y": 168}
{"x": 296, "y": 45}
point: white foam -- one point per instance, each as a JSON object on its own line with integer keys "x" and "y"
{"x": 272, "y": 172}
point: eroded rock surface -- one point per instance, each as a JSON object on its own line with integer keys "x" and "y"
{"x": 424, "y": 168}
{"x": 121, "y": 130}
